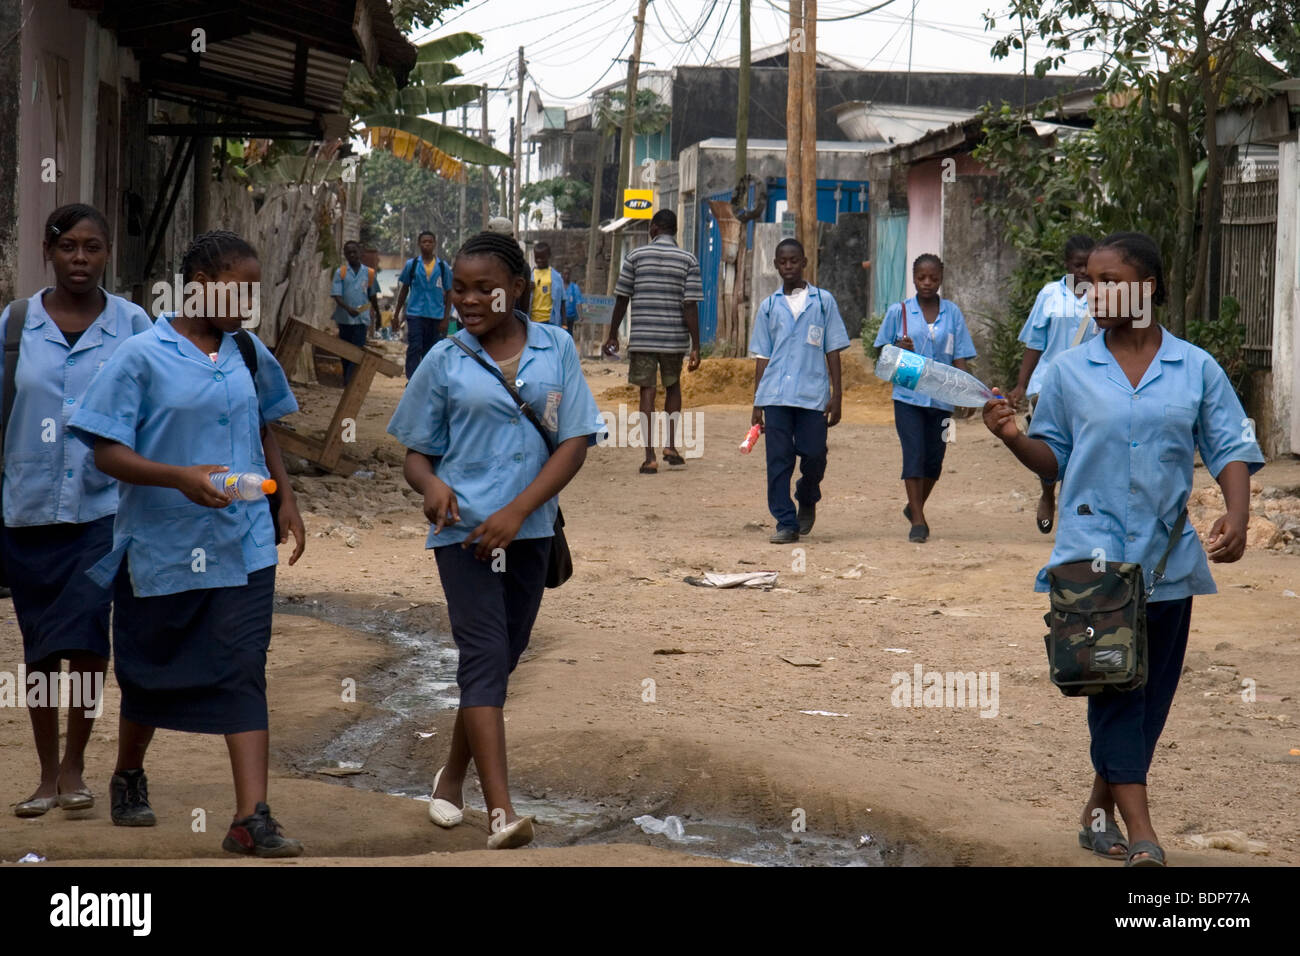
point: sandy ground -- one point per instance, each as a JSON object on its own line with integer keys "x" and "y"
{"x": 723, "y": 736}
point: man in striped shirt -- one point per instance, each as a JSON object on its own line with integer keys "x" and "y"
{"x": 662, "y": 281}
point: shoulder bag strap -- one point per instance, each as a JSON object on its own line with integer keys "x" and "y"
{"x": 518, "y": 399}
{"x": 13, "y": 342}
{"x": 1158, "y": 573}
{"x": 1083, "y": 327}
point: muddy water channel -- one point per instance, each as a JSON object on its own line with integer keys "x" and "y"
{"x": 419, "y": 684}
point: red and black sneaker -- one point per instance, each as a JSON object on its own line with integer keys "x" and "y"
{"x": 260, "y": 835}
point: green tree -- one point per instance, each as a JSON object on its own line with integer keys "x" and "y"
{"x": 566, "y": 196}
{"x": 409, "y": 14}
{"x": 377, "y": 103}
{"x": 1171, "y": 67}
{"x": 397, "y": 191}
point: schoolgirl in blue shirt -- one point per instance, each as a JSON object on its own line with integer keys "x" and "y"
{"x": 1120, "y": 420}
{"x": 933, "y": 327}
{"x": 1059, "y": 320}
{"x": 194, "y": 571}
{"x": 490, "y": 495}
{"x": 58, "y": 507}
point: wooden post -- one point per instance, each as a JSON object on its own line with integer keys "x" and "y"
{"x": 808, "y": 144}
{"x": 484, "y": 211}
{"x": 519, "y": 144}
{"x": 593, "y": 236}
{"x": 794, "y": 112}
{"x": 742, "y": 97}
{"x": 625, "y": 146}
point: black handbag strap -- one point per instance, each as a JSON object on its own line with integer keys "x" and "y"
{"x": 13, "y": 342}
{"x": 514, "y": 394}
{"x": 1158, "y": 573}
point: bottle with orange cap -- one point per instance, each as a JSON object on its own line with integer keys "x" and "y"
{"x": 243, "y": 485}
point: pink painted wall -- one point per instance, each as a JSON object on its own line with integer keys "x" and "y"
{"x": 924, "y": 213}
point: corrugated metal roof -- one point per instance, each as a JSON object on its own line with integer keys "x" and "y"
{"x": 265, "y": 63}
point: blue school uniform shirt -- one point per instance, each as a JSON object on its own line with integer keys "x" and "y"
{"x": 945, "y": 341}
{"x": 1052, "y": 325}
{"x": 796, "y": 349}
{"x": 171, "y": 403}
{"x": 48, "y": 479}
{"x": 487, "y": 451}
{"x": 1125, "y": 455}
{"x": 356, "y": 291}
{"x": 572, "y": 299}
{"x": 426, "y": 296}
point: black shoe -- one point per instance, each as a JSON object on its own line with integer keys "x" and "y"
{"x": 129, "y": 797}
{"x": 784, "y": 536}
{"x": 807, "y": 515}
{"x": 919, "y": 534}
{"x": 260, "y": 835}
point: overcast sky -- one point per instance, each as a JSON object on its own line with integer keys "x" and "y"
{"x": 570, "y": 45}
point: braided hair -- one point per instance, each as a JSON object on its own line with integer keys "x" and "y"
{"x": 929, "y": 257}
{"x": 213, "y": 253}
{"x": 503, "y": 247}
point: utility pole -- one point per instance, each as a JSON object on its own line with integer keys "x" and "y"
{"x": 625, "y": 146}
{"x": 598, "y": 175}
{"x": 464, "y": 180}
{"x": 519, "y": 140}
{"x": 742, "y": 97}
{"x": 487, "y": 141}
{"x": 794, "y": 114}
{"x": 808, "y": 144}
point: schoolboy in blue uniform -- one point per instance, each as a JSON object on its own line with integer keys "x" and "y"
{"x": 796, "y": 343}
{"x": 58, "y": 507}
{"x": 934, "y": 327}
{"x": 1120, "y": 420}
{"x": 427, "y": 281}
{"x": 356, "y": 290}
{"x": 194, "y": 571}
{"x": 1059, "y": 320}
{"x": 572, "y": 299}
{"x": 490, "y": 491}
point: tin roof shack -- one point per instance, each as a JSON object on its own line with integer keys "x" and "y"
{"x": 118, "y": 103}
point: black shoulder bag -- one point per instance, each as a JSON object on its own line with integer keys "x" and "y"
{"x": 560, "y": 567}
{"x": 248, "y": 352}
{"x": 13, "y": 341}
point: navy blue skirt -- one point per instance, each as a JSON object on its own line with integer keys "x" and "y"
{"x": 195, "y": 660}
{"x": 60, "y": 610}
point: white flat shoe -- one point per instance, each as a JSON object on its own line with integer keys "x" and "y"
{"x": 443, "y": 812}
{"x": 519, "y": 833}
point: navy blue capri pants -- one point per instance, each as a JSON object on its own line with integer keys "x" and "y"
{"x": 1125, "y": 727}
{"x": 920, "y": 432}
{"x": 492, "y": 613}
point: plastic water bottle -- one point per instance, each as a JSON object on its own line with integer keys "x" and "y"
{"x": 751, "y": 439}
{"x": 242, "y": 485}
{"x": 945, "y": 383}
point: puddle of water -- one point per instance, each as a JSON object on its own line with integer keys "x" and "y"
{"x": 413, "y": 690}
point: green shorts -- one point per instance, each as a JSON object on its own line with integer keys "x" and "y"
{"x": 642, "y": 365}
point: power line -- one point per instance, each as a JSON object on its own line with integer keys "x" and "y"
{"x": 846, "y": 16}
{"x": 583, "y": 93}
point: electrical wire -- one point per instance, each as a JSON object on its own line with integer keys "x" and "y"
{"x": 847, "y": 16}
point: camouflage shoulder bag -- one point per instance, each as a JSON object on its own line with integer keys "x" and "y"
{"x": 1097, "y": 638}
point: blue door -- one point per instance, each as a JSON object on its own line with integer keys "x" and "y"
{"x": 853, "y": 197}
{"x": 709, "y": 252}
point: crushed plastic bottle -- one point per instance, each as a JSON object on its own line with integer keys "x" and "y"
{"x": 671, "y": 827}
{"x": 944, "y": 383}
{"x": 243, "y": 485}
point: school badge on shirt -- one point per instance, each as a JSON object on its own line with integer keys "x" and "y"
{"x": 815, "y": 335}
{"x": 551, "y": 416}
